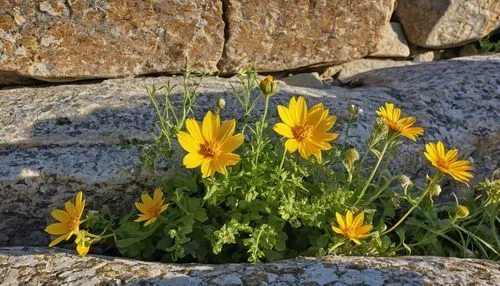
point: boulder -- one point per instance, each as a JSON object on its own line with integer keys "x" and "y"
{"x": 447, "y": 23}
{"x": 274, "y": 36}
{"x": 57, "y": 41}
{"x": 40, "y": 266}
{"x": 393, "y": 43}
{"x": 56, "y": 140}
{"x": 351, "y": 70}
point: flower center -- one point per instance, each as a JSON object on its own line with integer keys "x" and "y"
{"x": 302, "y": 132}
{"x": 349, "y": 232}
{"x": 443, "y": 163}
{"x": 154, "y": 211}
{"x": 73, "y": 223}
{"x": 394, "y": 125}
{"x": 211, "y": 150}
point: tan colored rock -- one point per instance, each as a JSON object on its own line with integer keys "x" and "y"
{"x": 56, "y": 40}
{"x": 278, "y": 35}
{"x": 304, "y": 80}
{"x": 393, "y": 43}
{"x": 425, "y": 57}
{"x": 447, "y": 23}
{"x": 352, "y": 70}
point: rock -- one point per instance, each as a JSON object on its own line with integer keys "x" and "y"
{"x": 428, "y": 56}
{"x": 56, "y": 140}
{"x": 447, "y": 23}
{"x": 351, "y": 70}
{"x": 271, "y": 37}
{"x": 468, "y": 50}
{"x": 56, "y": 40}
{"x": 22, "y": 265}
{"x": 304, "y": 80}
{"x": 393, "y": 43}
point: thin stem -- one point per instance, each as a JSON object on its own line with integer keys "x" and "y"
{"x": 374, "y": 171}
{"x": 260, "y": 131}
{"x": 434, "y": 181}
{"x": 282, "y": 160}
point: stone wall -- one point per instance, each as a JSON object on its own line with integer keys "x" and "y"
{"x": 61, "y": 41}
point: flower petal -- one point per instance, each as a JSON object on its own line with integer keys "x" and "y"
{"x": 192, "y": 160}
{"x": 283, "y": 130}
{"x": 226, "y": 129}
{"x": 57, "y": 240}
{"x": 194, "y": 129}
{"x": 188, "y": 142}
{"x": 285, "y": 116}
{"x": 348, "y": 218}
{"x": 291, "y": 145}
{"x": 340, "y": 220}
{"x": 209, "y": 128}
{"x": 60, "y": 215}
{"x": 57, "y": 229}
{"x": 232, "y": 143}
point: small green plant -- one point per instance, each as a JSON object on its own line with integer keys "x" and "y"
{"x": 254, "y": 192}
{"x": 487, "y": 46}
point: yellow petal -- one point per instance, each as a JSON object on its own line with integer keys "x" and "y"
{"x": 188, "y": 142}
{"x": 358, "y": 221}
{"x": 146, "y": 199}
{"x": 364, "y": 229}
{"x": 60, "y": 215}
{"x": 152, "y": 220}
{"x": 192, "y": 160}
{"x": 157, "y": 195}
{"x": 337, "y": 230}
{"x": 193, "y": 128}
{"x": 141, "y": 207}
{"x": 340, "y": 220}
{"x": 301, "y": 110}
{"x": 206, "y": 170}
{"x": 57, "y": 240}
{"x": 70, "y": 207}
{"x": 283, "y": 130}
{"x": 210, "y": 127}
{"x": 142, "y": 217}
{"x": 229, "y": 159}
{"x": 285, "y": 116}
{"x": 226, "y": 129}
{"x": 348, "y": 218}
{"x": 356, "y": 241}
{"x": 57, "y": 229}
{"x": 291, "y": 145}
{"x": 79, "y": 201}
{"x": 440, "y": 149}
{"x": 232, "y": 143}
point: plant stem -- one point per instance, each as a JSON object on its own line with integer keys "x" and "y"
{"x": 260, "y": 132}
{"x": 282, "y": 160}
{"x": 374, "y": 171}
{"x": 431, "y": 185}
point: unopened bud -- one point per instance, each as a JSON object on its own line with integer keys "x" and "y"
{"x": 269, "y": 86}
{"x": 462, "y": 211}
{"x": 405, "y": 181}
{"x": 221, "y": 103}
{"x": 435, "y": 191}
{"x": 352, "y": 155}
{"x": 381, "y": 127}
{"x": 353, "y": 110}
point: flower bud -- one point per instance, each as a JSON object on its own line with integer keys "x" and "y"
{"x": 82, "y": 248}
{"x": 269, "y": 86}
{"x": 82, "y": 243}
{"x": 462, "y": 211}
{"x": 352, "y": 155}
{"x": 405, "y": 181}
{"x": 354, "y": 110}
{"x": 435, "y": 191}
{"x": 221, "y": 103}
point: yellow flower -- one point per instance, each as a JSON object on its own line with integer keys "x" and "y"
{"x": 269, "y": 86}
{"x": 402, "y": 126}
{"x": 352, "y": 229}
{"x": 305, "y": 129}
{"x": 151, "y": 208}
{"x": 462, "y": 211}
{"x": 69, "y": 220}
{"x": 209, "y": 144}
{"x": 447, "y": 163}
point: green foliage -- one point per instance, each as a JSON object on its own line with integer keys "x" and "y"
{"x": 487, "y": 46}
{"x": 275, "y": 205}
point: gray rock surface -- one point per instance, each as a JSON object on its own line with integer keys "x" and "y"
{"x": 351, "y": 70}
{"x": 41, "y": 266}
{"x": 58, "y": 139}
{"x": 447, "y": 23}
{"x": 393, "y": 43}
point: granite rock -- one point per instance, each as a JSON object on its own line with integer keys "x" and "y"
{"x": 56, "y": 140}
{"x": 447, "y": 23}
{"x": 393, "y": 43}
{"x": 304, "y": 80}
{"x": 267, "y": 35}
{"x": 41, "y": 266}
{"x": 56, "y": 40}
{"x": 352, "y": 70}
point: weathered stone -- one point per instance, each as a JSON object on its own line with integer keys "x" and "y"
{"x": 352, "y": 70}
{"x": 57, "y": 140}
{"x": 469, "y": 50}
{"x": 37, "y": 266}
{"x": 428, "y": 56}
{"x": 393, "y": 43}
{"x": 304, "y": 80}
{"x": 56, "y": 40}
{"x": 447, "y": 23}
{"x": 267, "y": 35}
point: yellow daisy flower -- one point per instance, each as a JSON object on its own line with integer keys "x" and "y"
{"x": 352, "y": 229}
{"x": 209, "y": 144}
{"x": 447, "y": 162}
{"x": 69, "y": 220}
{"x": 401, "y": 126}
{"x": 305, "y": 129}
{"x": 151, "y": 208}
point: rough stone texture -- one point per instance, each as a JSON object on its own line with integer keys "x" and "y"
{"x": 352, "y": 70}
{"x": 272, "y": 37}
{"x": 393, "y": 43}
{"x": 39, "y": 266}
{"x": 57, "y": 40}
{"x": 57, "y": 140}
{"x": 304, "y": 80}
{"x": 447, "y": 23}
